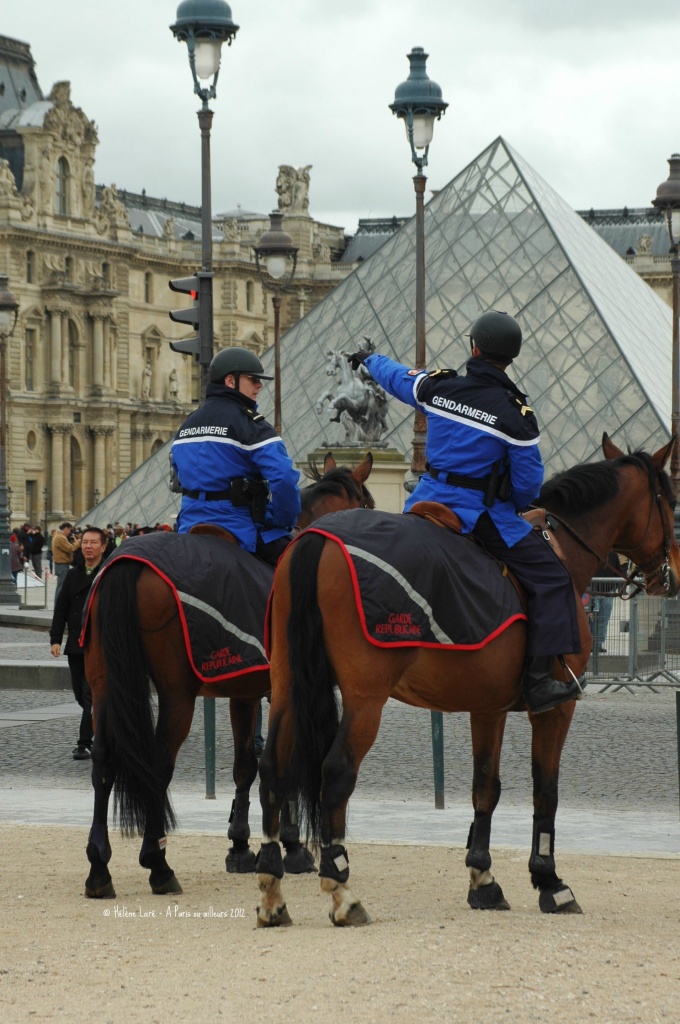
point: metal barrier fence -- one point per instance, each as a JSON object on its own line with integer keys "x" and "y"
{"x": 636, "y": 642}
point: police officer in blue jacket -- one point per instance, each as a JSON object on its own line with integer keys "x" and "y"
{"x": 230, "y": 464}
{"x": 484, "y": 464}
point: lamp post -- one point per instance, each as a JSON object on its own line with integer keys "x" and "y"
{"x": 419, "y": 102}
{"x": 667, "y": 200}
{"x": 45, "y": 495}
{"x": 9, "y": 312}
{"x": 204, "y": 25}
{"x": 276, "y": 260}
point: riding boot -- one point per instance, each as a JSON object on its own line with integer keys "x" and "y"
{"x": 541, "y": 691}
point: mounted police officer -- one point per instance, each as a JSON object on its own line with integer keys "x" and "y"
{"x": 485, "y": 465}
{"x": 231, "y": 466}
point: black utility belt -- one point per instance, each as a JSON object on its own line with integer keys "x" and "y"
{"x": 495, "y": 487}
{"x": 473, "y": 483}
{"x": 208, "y": 495}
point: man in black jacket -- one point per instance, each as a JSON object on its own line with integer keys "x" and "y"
{"x": 68, "y": 611}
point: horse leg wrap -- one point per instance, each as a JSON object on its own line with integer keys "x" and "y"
{"x": 269, "y": 860}
{"x": 479, "y": 839}
{"x": 239, "y": 829}
{"x": 98, "y": 839}
{"x": 334, "y": 863}
{"x": 161, "y": 876}
{"x": 98, "y": 884}
{"x": 542, "y": 859}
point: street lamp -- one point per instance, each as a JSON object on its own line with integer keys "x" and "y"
{"x": 45, "y": 495}
{"x": 276, "y": 260}
{"x": 419, "y": 102}
{"x": 667, "y": 200}
{"x": 204, "y": 25}
{"x": 9, "y": 313}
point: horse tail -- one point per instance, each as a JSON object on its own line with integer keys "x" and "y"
{"x": 128, "y": 722}
{"x": 313, "y": 702}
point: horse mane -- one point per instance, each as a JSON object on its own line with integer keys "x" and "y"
{"x": 338, "y": 482}
{"x": 590, "y": 485}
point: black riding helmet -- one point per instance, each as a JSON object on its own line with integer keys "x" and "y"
{"x": 497, "y": 335}
{"x": 236, "y": 361}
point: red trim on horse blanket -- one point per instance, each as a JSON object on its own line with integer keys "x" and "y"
{"x": 221, "y": 593}
{"x": 418, "y": 585}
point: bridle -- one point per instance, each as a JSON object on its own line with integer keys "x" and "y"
{"x": 642, "y": 575}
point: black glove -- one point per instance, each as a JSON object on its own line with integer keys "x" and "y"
{"x": 357, "y": 359}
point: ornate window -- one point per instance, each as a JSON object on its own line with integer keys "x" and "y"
{"x": 250, "y": 296}
{"x": 72, "y": 353}
{"x": 30, "y": 266}
{"x": 29, "y": 357}
{"x": 63, "y": 186}
{"x": 148, "y": 287}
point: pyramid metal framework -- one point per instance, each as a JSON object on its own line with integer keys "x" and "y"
{"x": 597, "y": 339}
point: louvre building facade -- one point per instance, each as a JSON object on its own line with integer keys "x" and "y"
{"x": 94, "y": 388}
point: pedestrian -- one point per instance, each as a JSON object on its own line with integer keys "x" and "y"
{"x": 605, "y": 585}
{"x": 68, "y": 614}
{"x": 37, "y": 545}
{"x": 231, "y": 466}
{"x": 16, "y": 559}
{"x": 63, "y": 546}
{"x": 48, "y": 546}
{"x": 484, "y": 464}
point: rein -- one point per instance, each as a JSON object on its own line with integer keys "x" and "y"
{"x": 640, "y": 578}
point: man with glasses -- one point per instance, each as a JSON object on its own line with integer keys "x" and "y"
{"x": 231, "y": 466}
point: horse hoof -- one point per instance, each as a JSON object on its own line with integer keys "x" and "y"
{"x": 240, "y": 862}
{"x": 355, "y": 917}
{"x": 487, "y": 897}
{"x": 169, "y": 886}
{"x": 561, "y": 901}
{"x": 298, "y": 861}
{"x": 279, "y": 918}
{"x": 104, "y": 892}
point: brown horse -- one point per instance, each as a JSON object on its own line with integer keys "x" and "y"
{"x": 318, "y": 643}
{"x": 135, "y": 637}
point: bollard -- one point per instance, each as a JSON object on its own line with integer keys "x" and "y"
{"x": 209, "y": 738}
{"x": 437, "y": 724}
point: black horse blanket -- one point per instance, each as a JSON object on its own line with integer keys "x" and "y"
{"x": 221, "y": 593}
{"x": 418, "y": 585}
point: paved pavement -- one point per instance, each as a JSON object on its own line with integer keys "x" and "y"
{"x": 618, "y": 787}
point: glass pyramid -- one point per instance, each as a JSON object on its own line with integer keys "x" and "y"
{"x": 597, "y": 339}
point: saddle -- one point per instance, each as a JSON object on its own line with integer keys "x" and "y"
{"x": 440, "y": 515}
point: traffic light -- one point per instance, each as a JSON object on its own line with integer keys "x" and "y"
{"x": 188, "y": 346}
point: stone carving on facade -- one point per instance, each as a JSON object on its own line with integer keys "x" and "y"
{"x": 292, "y": 187}
{"x": 8, "y": 186}
{"x": 644, "y": 245}
{"x": 89, "y": 189}
{"x": 230, "y": 228}
{"x": 113, "y": 213}
{"x": 174, "y": 385}
{"x": 146, "y": 382}
{"x": 169, "y": 230}
{"x": 55, "y": 268}
{"x": 356, "y": 401}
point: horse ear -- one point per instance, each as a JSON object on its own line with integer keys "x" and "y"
{"x": 661, "y": 457}
{"x": 363, "y": 470}
{"x": 609, "y": 448}
{"x": 329, "y": 463}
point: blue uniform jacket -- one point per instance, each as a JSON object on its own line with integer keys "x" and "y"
{"x": 473, "y": 421}
{"x": 224, "y": 439}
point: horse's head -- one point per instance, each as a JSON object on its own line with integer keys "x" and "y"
{"x": 336, "y": 489}
{"x": 648, "y": 537}
{"x": 332, "y": 364}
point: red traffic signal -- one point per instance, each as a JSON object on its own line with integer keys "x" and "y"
{"x": 189, "y": 315}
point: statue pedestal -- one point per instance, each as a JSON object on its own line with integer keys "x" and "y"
{"x": 386, "y": 482}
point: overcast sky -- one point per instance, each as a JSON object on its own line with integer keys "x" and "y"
{"x": 587, "y": 91}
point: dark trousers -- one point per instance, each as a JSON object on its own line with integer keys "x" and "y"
{"x": 83, "y": 695}
{"x": 551, "y": 605}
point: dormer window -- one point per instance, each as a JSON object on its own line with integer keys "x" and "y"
{"x": 63, "y": 186}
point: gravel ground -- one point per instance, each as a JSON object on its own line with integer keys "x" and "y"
{"x": 426, "y": 958}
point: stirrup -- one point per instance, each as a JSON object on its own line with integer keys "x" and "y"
{"x": 580, "y": 681}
